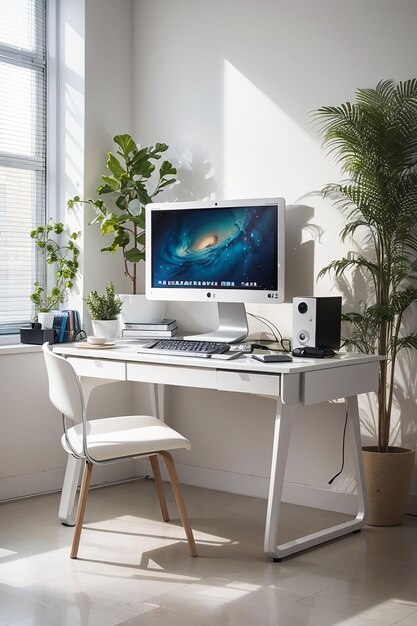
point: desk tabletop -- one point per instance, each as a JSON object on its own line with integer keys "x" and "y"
{"x": 129, "y": 351}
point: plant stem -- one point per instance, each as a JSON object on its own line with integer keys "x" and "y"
{"x": 134, "y": 286}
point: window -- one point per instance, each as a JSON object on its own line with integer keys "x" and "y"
{"x": 22, "y": 154}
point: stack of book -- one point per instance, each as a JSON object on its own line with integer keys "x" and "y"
{"x": 140, "y": 330}
{"x": 67, "y": 325}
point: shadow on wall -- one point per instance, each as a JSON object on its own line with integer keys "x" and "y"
{"x": 197, "y": 182}
{"x": 299, "y": 254}
{"x": 356, "y": 289}
{"x": 195, "y": 175}
{"x": 405, "y": 390}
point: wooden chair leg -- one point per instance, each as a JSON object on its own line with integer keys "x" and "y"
{"x": 159, "y": 487}
{"x": 82, "y": 502}
{"x": 180, "y": 501}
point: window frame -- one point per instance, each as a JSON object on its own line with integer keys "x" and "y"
{"x": 51, "y": 64}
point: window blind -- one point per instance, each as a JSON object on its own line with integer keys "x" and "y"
{"x": 22, "y": 154}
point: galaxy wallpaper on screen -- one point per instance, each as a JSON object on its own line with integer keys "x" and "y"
{"x": 222, "y": 248}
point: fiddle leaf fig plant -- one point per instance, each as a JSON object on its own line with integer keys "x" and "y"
{"x": 63, "y": 260}
{"x": 132, "y": 171}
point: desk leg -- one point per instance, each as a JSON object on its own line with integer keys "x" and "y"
{"x": 69, "y": 491}
{"x": 157, "y": 400}
{"x": 279, "y": 457}
{"x": 355, "y": 429}
{"x": 282, "y": 434}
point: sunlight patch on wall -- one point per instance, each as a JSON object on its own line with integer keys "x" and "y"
{"x": 266, "y": 152}
{"x": 72, "y": 108}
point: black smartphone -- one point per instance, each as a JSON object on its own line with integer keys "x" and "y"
{"x": 270, "y": 357}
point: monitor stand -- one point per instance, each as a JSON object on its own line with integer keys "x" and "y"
{"x": 233, "y": 324}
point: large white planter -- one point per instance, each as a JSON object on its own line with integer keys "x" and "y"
{"x": 106, "y": 328}
{"x": 137, "y": 309}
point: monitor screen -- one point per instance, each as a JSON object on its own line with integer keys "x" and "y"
{"x": 229, "y": 251}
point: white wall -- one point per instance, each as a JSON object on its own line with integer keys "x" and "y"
{"x": 95, "y": 103}
{"x": 230, "y": 87}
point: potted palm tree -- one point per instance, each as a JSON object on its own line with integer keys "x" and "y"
{"x": 130, "y": 184}
{"x": 375, "y": 141}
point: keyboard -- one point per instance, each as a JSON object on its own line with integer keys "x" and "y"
{"x": 187, "y": 347}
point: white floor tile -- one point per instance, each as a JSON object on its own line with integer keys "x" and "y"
{"x": 134, "y": 569}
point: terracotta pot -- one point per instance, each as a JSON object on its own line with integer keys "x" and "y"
{"x": 388, "y": 479}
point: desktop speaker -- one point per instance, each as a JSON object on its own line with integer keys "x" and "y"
{"x": 317, "y": 322}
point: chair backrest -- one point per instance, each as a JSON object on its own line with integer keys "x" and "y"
{"x": 64, "y": 387}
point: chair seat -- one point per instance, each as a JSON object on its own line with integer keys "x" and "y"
{"x": 132, "y": 435}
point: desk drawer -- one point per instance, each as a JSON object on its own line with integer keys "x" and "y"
{"x": 248, "y": 382}
{"x": 97, "y": 368}
{"x": 172, "y": 375}
{"x": 340, "y": 382}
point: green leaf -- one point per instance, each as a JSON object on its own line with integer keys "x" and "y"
{"x": 161, "y": 147}
{"x": 114, "y": 166}
{"x": 134, "y": 255}
{"x": 138, "y": 221}
{"x": 142, "y": 167}
{"x": 134, "y": 207}
{"x": 122, "y": 238}
{"x": 126, "y": 144}
{"x": 109, "y": 224}
{"x": 121, "y": 203}
{"x": 104, "y": 189}
{"x": 111, "y": 182}
{"x": 142, "y": 193}
{"x": 167, "y": 169}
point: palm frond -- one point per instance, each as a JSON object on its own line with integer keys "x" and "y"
{"x": 340, "y": 266}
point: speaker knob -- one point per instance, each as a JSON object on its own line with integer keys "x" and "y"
{"x": 303, "y": 336}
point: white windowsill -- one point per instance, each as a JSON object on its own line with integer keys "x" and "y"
{"x": 17, "y": 347}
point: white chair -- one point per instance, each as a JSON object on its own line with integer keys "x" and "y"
{"x": 111, "y": 439}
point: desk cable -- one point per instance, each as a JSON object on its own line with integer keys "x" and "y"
{"x": 284, "y": 343}
{"x": 343, "y": 450}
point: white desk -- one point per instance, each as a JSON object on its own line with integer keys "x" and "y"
{"x": 302, "y": 382}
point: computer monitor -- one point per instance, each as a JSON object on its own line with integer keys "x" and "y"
{"x": 229, "y": 252}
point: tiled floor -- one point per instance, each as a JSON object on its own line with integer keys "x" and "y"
{"x": 135, "y": 570}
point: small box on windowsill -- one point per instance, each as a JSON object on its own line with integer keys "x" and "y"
{"x": 37, "y": 335}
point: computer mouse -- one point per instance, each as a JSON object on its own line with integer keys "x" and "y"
{"x": 298, "y": 352}
{"x": 314, "y": 353}
{"x": 260, "y": 346}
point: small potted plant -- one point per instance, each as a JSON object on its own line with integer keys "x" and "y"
{"x": 61, "y": 266}
{"x": 131, "y": 183}
{"x": 104, "y": 310}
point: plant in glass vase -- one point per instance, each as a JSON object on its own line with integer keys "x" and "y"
{"x": 60, "y": 259}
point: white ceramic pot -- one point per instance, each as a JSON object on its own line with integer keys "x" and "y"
{"x": 46, "y": 319}
{"x": 137, "y": 309}
{"x": 106, "y": 328}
